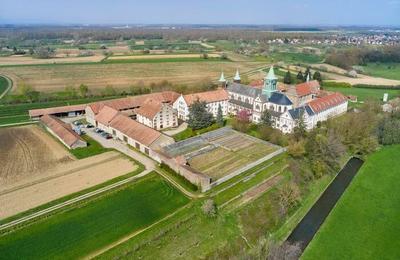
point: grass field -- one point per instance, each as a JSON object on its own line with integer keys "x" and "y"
{"x": 364, "y": 223}
{"x": 122, "y": 75}
{"x": 291, "y": 57}
{"x": 91, "y": 226}
{"x": 3, "y": 85}
{"x": 384, "y": 70}
{"x": 366, "y": 93}
{"x": 93, "y": 148}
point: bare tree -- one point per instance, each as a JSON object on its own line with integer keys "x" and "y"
{"x": 285, "y": 251}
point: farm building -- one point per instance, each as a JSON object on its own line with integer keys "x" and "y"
{"x": 213, "y": 99}
{"x": 157, "y": 115}
{"x": 62, "y": 132}
{"x": 128, "y": 130}
{"x": 139, "y": 136}
{"x": 150, "y": 107}
{"x": 62, "y": 111}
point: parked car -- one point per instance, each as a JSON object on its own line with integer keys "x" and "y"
{"x": 77, "y": 123}
{"x": 98, "y": 130}
{"x": 89, "y": 126}
{"x": 109, "y": 136}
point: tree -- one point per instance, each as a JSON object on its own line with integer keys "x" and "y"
{"x": 209, "y": 208}
{"x": 109, "y": 91}
{"x": 288, "y": 78}
{"x": 266, "y": 118}
{"x": 83, "y": 90}
{"x": 204, "y": 55}
{"x": 242, "y": 121}
{"x": 300, "y": 77}
{"x": 307, "y": 74}
{"x": 70, "y": 92}
{"x": 300, "y": 130}
{"x": 44, "y": 52}
{"x": 297, "y": 149}
{"x": 388, "y": 131}
{"x": 288, "y": 197}
{"x": 317, "y": 76}
{"x": 199, "y": 116}
{"x": 220, "y": 117}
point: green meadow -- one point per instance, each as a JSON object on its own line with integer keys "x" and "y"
{"x": 89, "y": 226}
{"x": 365, "y": 222}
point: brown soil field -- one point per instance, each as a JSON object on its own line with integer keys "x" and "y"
{"x": 28, "y": 151}
{"x": 65, "y": 179}
{"x": 163, "y": 56}
{"x": 26, "y": 60}
{"x": 122, "y": 75}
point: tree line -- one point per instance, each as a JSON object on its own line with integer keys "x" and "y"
{"x": 361, "y": 56}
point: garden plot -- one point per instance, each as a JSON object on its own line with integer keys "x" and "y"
{"x": 221, "y": 152}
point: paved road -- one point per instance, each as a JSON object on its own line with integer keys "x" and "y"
{"x": 177, "y": 130}
{"x": 71, "y": 201}
{"x": 123, "y": 148}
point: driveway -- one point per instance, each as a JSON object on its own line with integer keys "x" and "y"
{"x": 123, "y": 148}
{"x": 177, "y": 130}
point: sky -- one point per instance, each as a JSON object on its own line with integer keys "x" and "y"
{"x": 283, "y": 12}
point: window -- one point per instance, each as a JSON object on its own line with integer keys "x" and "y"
{"x": 137, "y": 145}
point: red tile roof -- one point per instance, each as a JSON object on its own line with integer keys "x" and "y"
{"x": 55, "y": 110}
{"x": 61, "y": 129}
{"x": 135, "y": 101}
{"x": 150, "y": 108}
{"x": 307, "y": 88}
{"x": 105, "y": 115}
{"x": 208, "y": 97}
{"x": 129, "y": 127}
{"x": 328, "y": 101}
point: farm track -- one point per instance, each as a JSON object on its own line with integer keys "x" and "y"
{"x": 60, "y": 174}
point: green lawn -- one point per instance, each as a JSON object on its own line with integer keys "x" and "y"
{"x": 3, "y": 84}
{"x": 92, "y": 149}
{"x": 365, "y": 93}
{"x": 79, "y": 231}
{"x": 383, "y": 70}
{"x": 365, "y": 222}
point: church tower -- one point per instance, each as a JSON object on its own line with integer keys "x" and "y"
{"x": 222, "y": 80}
{"x": 237, "y": 79}
{"x": 270, "y": 83}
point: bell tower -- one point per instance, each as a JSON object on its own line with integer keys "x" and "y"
{"x": 270, "y": 83}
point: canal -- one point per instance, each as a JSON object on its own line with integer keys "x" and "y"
{"x": 309, "y": 225}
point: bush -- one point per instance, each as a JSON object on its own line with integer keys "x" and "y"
{"x": 209, "y": 208}
{"x": 336, "y": 84}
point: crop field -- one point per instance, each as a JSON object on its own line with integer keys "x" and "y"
{"x": 364, "y": 223}
{"x": 27, "y": 60}
{"x": 27, "y": 151}
{"x": 98, "y": 222}
{"x": 3, "y": 85}
{"x": 220, "y": 152}
{"x": 121, "y": 75}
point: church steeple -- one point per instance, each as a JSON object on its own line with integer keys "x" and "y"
{"x": 222, "y": 80}
{"x": 270, "y": 82}
{"x": 237, "y": 77}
